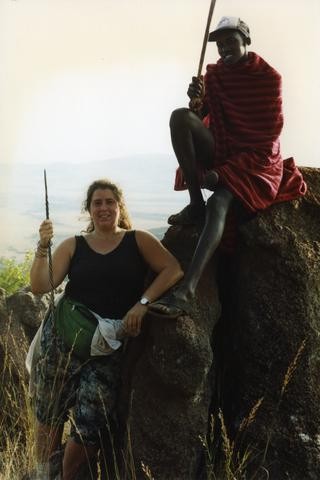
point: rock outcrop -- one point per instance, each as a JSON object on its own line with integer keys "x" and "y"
{"x": 250, "y": 348}
{"x": 274, "y": 332}
{"x": 169, "y": 371}
{"x": 20, "y": 316}
{"x": 264, "y": 353}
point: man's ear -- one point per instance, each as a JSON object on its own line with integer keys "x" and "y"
{"x": 248, "y": 41}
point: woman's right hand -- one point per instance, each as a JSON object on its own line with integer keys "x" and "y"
{"x": 46, "y": 233}
{"x": 196, "y": 88}
{"x": 132, "y": 321}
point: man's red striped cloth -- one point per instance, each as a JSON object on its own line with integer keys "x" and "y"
{"x": 245, "y": 116}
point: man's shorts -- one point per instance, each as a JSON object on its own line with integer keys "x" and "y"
{"x": 65, "y": 384}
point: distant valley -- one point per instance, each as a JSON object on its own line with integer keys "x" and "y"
{"x": 147, "y": 182}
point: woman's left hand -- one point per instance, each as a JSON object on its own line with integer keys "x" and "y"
{"x": 133, "y": 319}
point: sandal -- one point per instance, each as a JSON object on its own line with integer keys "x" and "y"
{"x": 189, "y": 215}
{"x": 170, "y": 307}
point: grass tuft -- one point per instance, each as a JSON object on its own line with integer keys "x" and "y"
{"x": 17, "y": 442}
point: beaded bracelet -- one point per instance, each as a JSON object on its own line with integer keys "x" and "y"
{"x": 41, "y": 251}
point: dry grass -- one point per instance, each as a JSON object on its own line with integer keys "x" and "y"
{"x": 237, "y": 454}
{"x": 235, "y": 459}
{"x": 17, "y": 454}
{"x": 16, "y": 422}
{"x": 286, "y": 380}
{"x": 17, "y": 440}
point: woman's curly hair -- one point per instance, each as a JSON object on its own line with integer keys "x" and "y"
{"x": 104, "y": 184}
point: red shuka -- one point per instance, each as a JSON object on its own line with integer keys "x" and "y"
{"x": 245, "y": 117}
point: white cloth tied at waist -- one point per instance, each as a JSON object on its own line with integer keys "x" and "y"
{"x": 107, "y": 336}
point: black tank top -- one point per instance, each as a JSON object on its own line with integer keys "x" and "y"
{"x": 109, "y": 284}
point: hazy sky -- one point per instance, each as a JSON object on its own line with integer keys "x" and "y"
{"x": 87, "y": 80}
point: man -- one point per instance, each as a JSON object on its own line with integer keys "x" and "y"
{"x": 229, "y": 146}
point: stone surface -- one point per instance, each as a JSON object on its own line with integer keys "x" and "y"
{"x": 276, "y": 308}
{"x": 270, "y": 296}
{"x": 15, "y": 336}
{"x": 29, "y": 308}
{"x": 20, "y": 316}
{"x": 170, "y": 373}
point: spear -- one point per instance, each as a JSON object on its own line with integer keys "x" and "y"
{"x": 49, "y": 246}
{"x": 196, "y": 103}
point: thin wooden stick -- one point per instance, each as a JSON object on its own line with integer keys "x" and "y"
{"x": 205, "y": 38}
{"x": 49, "y": 246}
{"x": 196, "y": 103}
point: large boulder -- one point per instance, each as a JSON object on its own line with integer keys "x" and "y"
{"x": 259, "y": 374}
{"x": 274, "y": 336}
{"x": 169, "y": 372}
{"x": 28, "y": 309}
{"x": 248, "y": 355}
{"x": 20, "y": 316}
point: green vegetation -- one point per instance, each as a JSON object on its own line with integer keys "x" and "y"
{"x": 13, "y": 274}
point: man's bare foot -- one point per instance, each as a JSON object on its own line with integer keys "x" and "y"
{"x": 210, "y": 180}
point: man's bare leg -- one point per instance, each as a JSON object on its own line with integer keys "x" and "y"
{"x": 47, "y": 441}
{"x": 211, "y": 180}
{"x": 75, "y": 455}
{"x": 193, "y": 145}
{"x": 216, "y": 212}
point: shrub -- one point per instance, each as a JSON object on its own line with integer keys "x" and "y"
{"x": 13, "y": 274}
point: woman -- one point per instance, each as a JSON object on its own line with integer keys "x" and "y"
{"x": 106, "y": 271}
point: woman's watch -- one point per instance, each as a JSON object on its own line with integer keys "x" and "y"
{"x": 144, "y": 301}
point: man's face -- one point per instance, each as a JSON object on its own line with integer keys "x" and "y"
{"x": 231, "y": 46}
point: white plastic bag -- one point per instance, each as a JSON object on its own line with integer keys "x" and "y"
{"x": 106, "y": 338}
{"x": 33, "y": 357}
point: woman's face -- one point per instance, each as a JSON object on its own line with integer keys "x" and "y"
{"x": 231, "y": 46}
{"x": 104, "y": 209}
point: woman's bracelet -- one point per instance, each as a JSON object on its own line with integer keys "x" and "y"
{"x": 41, "y": 251}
